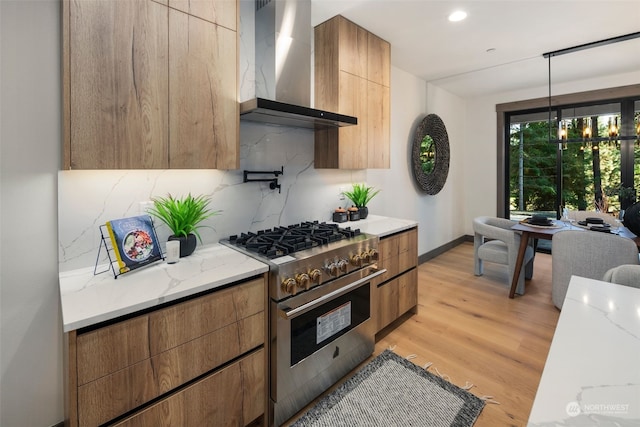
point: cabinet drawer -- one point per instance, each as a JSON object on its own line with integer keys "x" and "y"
{"x": 150, "y": 378}
{"x": 387, "y": 304}
{"x": 396, "y": 297}
{"x": 398, "y": 253}
{"x": 184, "y": 322}
{"x": 407, "y": 291}
{"x": 233, "y": 396}
{"x": 109, "y": 349}
{"x": 112, "y": 348}
{"x": 127, "y": 364}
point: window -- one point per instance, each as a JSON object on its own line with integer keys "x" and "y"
{"x": 585, "y": 171}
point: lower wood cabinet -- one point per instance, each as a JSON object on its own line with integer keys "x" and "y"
{"x": 396, "y": 291}
{"x": 197, "y": 362}
{"x": 396, "y": 297}
{"x": 232, "y": 396}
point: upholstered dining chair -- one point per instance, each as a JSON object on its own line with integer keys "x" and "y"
{"x": 495, "y": 241}
{"x": 627, "y": 274}
{"x": 588, "y": 254}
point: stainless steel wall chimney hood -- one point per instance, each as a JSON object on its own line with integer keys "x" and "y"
{"x": 283, "y": 69}
{"x": 284, "y": 114}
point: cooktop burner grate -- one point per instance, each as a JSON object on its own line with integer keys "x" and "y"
{"x": 280, "y": 241}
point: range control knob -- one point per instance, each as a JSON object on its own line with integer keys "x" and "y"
{"x": 342, "y": 265}
{"x": 333, "y": 269}
{"x": 302, "y": 281}
{"x": 356, "y": 260}
{"x": 288, "y": 285}
{"x": 366, "y": 257}
{"x": 373, "y": 253}
{"x": 315, "y": 275}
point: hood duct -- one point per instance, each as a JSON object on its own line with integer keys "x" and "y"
{"x": 283, "y": 69}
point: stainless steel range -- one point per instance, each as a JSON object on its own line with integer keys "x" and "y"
{"x": 320, "y": 306}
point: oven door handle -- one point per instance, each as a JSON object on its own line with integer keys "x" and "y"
{"x": 318, "y": 301}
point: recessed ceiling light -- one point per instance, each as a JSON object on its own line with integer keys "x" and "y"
{"x": 458, "y": 15}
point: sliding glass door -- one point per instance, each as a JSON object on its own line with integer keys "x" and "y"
{"x": 578, "y": 157}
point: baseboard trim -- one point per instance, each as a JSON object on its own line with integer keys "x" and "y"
{"x": 444, "y": 248}
{"x": 60, "y": 424}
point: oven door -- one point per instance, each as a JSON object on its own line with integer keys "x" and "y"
{"x": 319, "y": 336}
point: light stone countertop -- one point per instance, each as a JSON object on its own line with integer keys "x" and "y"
{"x": 380, "y": 225}
{"x": 87, "y": 299}
{"x": 592, "y": 373}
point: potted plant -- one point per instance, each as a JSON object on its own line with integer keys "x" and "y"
{"x": 183, "y": 217}
{"x": 627, "y": 197}
{"x": 361, "y": 195}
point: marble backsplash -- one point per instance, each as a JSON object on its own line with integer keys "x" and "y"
{"x": 88, "y": 199}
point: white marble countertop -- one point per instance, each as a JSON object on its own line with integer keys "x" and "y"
{"x": 380, "y": 225}
{"x": 88, "y": 299}
{"x": 592, "y": 373}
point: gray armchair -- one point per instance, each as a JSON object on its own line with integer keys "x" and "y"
{"x": 495, "y": 241}
{"x": 588, "y": 254}
{"x": 628, "y": 275}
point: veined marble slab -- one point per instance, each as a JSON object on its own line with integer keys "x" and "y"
{"x": 88, "y": 299}
{"x": 592, "y": 373}
{"x": 381, "y": 226}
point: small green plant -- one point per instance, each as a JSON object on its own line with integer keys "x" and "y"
{"x": 184, "y": 215}
{"x": 360, "y": 195}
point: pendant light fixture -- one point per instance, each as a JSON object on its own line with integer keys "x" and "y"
{"x": 613, "y": 128}
{"x": 587, "y": 130}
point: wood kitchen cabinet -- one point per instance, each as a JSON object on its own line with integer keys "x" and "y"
{"x": 203, "y": 102}
{"x": 150, "y": 84}
{"x": 396, "y": 291}
{"x": 352, "y": 76}
{"x": 200, "y": 361}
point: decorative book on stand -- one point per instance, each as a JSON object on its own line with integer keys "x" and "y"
{"x": 134, "y": 242}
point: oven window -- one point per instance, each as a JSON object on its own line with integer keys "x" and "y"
{"x": 318, "y": 327}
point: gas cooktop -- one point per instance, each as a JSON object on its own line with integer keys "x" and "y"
{"x": 281, "y": 241}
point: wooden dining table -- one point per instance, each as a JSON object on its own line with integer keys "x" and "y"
{"x": 546, "y": 233}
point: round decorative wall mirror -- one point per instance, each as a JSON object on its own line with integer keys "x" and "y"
{"x": 430, "y": 154}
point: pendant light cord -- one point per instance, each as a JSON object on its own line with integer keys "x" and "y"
{"x": 549, "y": 133}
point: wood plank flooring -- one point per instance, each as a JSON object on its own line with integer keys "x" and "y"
{"x": 470, "y": 331}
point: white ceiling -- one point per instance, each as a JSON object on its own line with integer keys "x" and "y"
{"x": 454, "y": 55}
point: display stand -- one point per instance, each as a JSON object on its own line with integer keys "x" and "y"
{"x": 105, "y": 241}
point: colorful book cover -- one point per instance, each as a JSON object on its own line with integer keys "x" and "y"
{"x": 134, "y": 241}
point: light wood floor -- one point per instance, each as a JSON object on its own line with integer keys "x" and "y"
{"x": 469, "y": 329}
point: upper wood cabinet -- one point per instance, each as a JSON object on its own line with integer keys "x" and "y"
{"x": 352, "y": 76}
{"x": 150, "y": 84}
{"x": 203, "y": 102}
{"x": 378, "y": 60}
{"x": 221, "y": 12}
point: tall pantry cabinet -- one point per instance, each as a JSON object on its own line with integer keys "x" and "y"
{"x": 352, "y": 76}
{"x": 150, "y": 84}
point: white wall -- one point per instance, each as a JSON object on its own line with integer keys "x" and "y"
{"x": 30, "y": 128}
{"x": 411, "y": 100}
